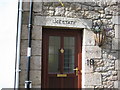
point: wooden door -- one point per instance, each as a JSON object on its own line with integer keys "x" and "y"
{"x": 61, "y": 58}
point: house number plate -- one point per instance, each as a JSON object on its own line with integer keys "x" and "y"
{"x": 61, "y": 75}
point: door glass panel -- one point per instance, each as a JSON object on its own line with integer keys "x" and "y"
{"x": 69, "y": 47}
{"x": 53, "y": 56}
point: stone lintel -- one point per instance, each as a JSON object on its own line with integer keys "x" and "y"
{"x": 62, "y": 22}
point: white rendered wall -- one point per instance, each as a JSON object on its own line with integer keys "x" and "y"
{"x": 8, "y": 29}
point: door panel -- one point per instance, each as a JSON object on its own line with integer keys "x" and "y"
{"x": 54, "y": 82}
{"x": 69, "y": 54}
{"x": 53, "y": 55}
{"x": 69, "y": 82}
{"x": 61, "y": 55}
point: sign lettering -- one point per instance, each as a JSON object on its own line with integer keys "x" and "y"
{"x": 58, "y": 21}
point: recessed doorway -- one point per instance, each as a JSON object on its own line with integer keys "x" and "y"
{"x": 61, "y": 58}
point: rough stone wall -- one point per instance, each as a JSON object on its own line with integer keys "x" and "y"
{"x": 105, "y": 57}
{"x": 105, "y": 72}
{"x": 35, "y": 67}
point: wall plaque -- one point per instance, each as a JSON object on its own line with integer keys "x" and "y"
{"x": 62, "y": 21}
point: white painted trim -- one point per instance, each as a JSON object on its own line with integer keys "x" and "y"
{"x": 83, "y": 59}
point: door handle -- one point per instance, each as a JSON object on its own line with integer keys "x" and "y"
{"x": 76, "y": 71}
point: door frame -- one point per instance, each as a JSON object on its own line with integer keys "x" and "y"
{"x": 44, "y": 63}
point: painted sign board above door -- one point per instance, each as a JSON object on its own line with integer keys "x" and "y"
{"x": 62, "y": 22}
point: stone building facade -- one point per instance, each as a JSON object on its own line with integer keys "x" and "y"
{"x": 105, "y": 73}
